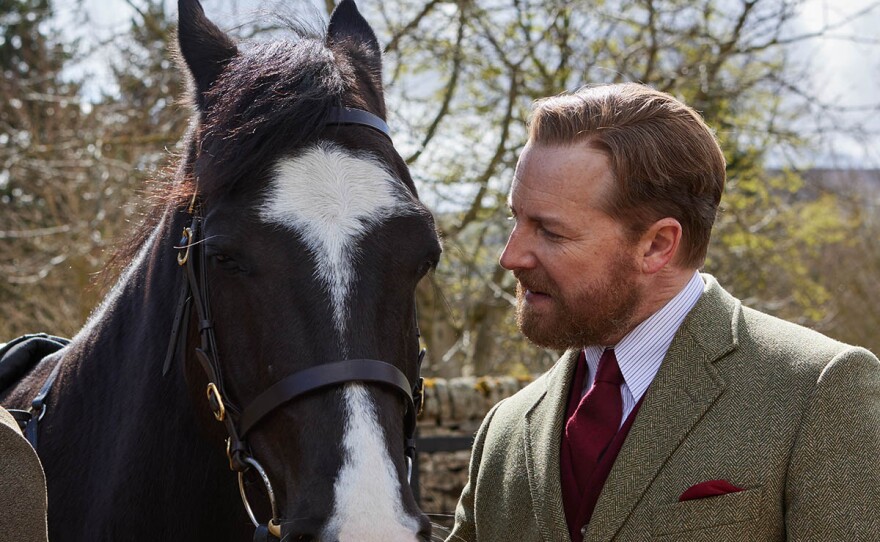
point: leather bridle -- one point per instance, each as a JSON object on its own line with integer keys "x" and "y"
{"x": 240, "y": 422}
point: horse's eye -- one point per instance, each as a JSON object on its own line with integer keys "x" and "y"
{"x": 226, "y": 262}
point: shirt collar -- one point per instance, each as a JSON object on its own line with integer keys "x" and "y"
{"x": 640, "y": 353}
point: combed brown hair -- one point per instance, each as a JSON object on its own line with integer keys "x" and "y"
{"x": 665, "y": 160}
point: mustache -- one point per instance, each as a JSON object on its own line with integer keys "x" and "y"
{"x": 534, "y": 281}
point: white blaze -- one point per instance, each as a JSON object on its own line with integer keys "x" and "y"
{"x": 367, "y": 493}
{"x": 332, "y": 197}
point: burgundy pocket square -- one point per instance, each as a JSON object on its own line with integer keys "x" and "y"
{"x": 709, "y": 488}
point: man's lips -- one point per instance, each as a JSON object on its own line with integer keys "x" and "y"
{"x": 535, "y": 292}
{"x": 532, "y": 292}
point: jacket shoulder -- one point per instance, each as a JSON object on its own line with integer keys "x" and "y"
{"x": 800, "y": 347}
{"x": 729, "y": 330}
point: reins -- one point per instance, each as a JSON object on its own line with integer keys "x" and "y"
{"x": 27, "y": 347}
{"x": 239, "y": 422}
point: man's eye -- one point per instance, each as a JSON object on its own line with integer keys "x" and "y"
{"x": 550, "y": 235}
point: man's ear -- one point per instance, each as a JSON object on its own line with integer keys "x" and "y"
{"x": 659, "y": 245}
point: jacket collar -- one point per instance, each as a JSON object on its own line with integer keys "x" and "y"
{"x": 543, "y": 440}
{"x": 685, "y": 387}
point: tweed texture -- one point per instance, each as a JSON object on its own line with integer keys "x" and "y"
{"x": 22, "y": 487}
{"x": 788, "y": 414}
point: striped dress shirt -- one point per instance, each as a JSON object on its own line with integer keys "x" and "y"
{"x": 640, "y": 353}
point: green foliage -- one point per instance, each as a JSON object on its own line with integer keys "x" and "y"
{"x": 461, "y": 78}
{"x": 768, "y": 240}
{"x": 730, "y": 60}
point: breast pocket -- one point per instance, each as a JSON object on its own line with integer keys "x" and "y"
{"x": 711, "y": 514}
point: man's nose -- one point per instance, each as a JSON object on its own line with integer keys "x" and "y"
{"x": 517, "y": 254}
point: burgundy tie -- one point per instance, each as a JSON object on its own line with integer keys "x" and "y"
{"x": 589, "y": 431}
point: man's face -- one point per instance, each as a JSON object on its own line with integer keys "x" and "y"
{"x": 577, "y": 272}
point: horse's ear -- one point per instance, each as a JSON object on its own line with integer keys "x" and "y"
{"x": 205, "y": 48}
{"x": 347, "y": 24}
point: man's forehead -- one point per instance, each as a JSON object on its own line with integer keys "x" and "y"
{"x": 550, "y": 210}
{"x": 573, "y": 170}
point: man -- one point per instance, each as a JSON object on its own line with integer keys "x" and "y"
{"x": 676, "y": 413}
{"x": 23, "y": 500}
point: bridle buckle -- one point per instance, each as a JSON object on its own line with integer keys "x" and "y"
{"x": 216, "y": 402}
{"x": 185, "y": 245}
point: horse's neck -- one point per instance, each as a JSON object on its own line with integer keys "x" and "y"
{"x": 123, "y": 341}
{"x": 129, "y": 419}
{"x": 113, "y": 367}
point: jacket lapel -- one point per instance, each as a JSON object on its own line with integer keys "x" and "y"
{"x": 685, "y": 387}
{"x": 542, "y": 441}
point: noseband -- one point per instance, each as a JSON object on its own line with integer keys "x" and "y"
{"x": 238, "y": 422}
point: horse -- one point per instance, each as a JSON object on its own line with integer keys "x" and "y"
{"x": 271, "y": 287}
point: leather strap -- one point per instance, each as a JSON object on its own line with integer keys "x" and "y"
{"x": 341, "y": 116}
{"x": 22, "y": 417}
{"x": 28, "y": 420}
{"x": 194, "y": 291}
{"x": 183, "y": 300}
{"x": 328, "y": 374}
{"x": 197, "y": 278}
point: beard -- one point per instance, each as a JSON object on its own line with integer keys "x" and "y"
{"x": 596, "y": 313}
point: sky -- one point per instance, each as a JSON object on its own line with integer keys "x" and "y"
{"x": 846, "y": 64}
{"x": 847, "y": 71}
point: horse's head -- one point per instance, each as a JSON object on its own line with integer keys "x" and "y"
{"x": 312, "y": 242}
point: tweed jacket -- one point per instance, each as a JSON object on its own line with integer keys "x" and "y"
{"x": 22, "y": 487}
{"x": 789, "y": 415}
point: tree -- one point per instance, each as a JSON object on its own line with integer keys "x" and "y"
{"x": 47, "y": 202}
{"x": 75, "y": 169}
{"x": 463, "y": 76}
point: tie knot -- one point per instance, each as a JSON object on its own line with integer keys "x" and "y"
{"x": 608, "y": 370}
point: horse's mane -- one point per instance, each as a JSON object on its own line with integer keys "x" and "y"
{"x": 271, "y": 98}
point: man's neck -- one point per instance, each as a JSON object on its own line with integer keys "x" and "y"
{"x": 658, "y": 290}
{"x": 662, "y": 288}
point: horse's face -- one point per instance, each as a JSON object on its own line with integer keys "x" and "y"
{"x": 314, "y": 243}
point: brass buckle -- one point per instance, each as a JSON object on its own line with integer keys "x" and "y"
{"x": 185, "y": 243}
{"x": 229, "y": 454}
{"x": 419, "y": 396}
{"x": 216, "y": 402}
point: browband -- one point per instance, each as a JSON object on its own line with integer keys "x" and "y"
{"x": 346, "y": 116}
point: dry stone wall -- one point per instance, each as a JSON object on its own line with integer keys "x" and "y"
{"x": 454, "y": 407}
